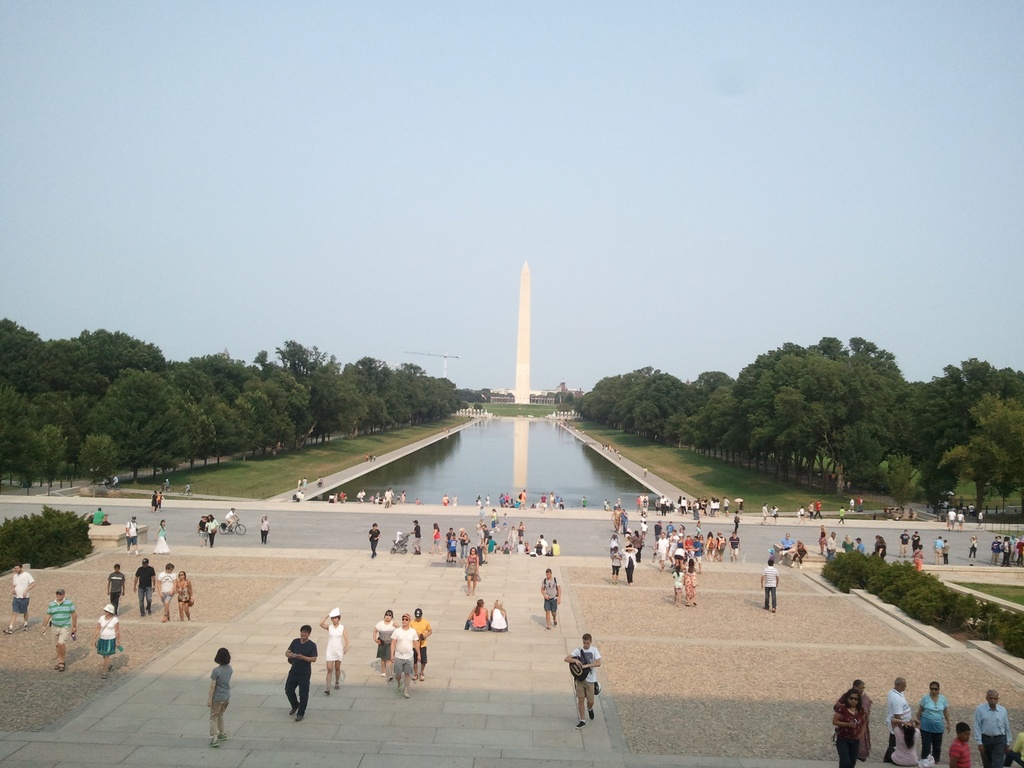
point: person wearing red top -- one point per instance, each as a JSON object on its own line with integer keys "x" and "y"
{"x": 960, "y": 749}
{"x": 849, "y": 722}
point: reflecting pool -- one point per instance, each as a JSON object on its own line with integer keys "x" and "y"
{"x": 497, "y": 456}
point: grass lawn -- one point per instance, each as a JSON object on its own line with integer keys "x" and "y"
{"x": 1005, "y": 592}
{"x": 706, "y": 476}
{"x": 262, "y": 477}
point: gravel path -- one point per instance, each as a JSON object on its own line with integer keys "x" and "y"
{"x": 726, "y": 678}
{"x": 38, "y": 696}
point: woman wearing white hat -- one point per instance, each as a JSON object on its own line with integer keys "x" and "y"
{"x": 337, "y": 647}
{"x": 107, "y": 638}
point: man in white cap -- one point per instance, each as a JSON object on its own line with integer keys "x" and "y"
{"x": 131, "y": 536}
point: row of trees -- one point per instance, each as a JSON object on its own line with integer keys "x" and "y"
{"x": 839, "y": 414}
{"x": 106, "y": 400}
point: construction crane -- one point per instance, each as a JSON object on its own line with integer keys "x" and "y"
{"x": 445, "y": 355}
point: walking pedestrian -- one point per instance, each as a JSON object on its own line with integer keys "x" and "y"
{"x": 374, "y": 537}
{"x": 382, "y": 631}
{"x": 405, "y": 643}
{"x": 115, "y": 586}
{"x": 849, "y": 720}
{"x": 61, "y": 615}
{"x": 423, "y": 631}
{"x": 583, "y": 661}
{"x": 616, "y": 558}
{"x": 186, "y": 597}
{"x": 161, "y": 547}
{"x": 219, "y": 696}
{"x": 770, "y": 583}
{"x": 264, "y": 529}
{"x": 212, "y": 526}
{"x": 107, "y": 639}
{"x": 167, "y": 580}
{"x": 21, "y": 584}
{"x": 301, "y": 655}
{"x": 337, "y": 647}
{"x": 145, "y": 575}
{"x": 551, "y": 591}
{"x": 629, "y": 554}
{"x": 131, "y": 536}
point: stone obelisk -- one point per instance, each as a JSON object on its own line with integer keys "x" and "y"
{"x": 522, "y": 390}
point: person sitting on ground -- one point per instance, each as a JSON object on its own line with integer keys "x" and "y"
{"x": 908, "y": 738}
{"x": 477, "y": 620}
{"x": 542, "y": 546}
{"x": 499, "y": 619}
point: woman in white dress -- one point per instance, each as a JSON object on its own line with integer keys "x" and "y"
{"x": 337, "y": 647}
{"x": 161, "y": 547}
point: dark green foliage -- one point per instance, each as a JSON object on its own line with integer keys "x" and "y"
{"x": 56, "y": 396}
{"x": 926, "y": 599}
{"x": 852, "y": 570}
{"x": 1011, "y": 632}
{"x": 45, "y": 540}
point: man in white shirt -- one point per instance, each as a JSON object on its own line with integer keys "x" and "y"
{"x": 663, "y": 544}
{"x": 404, "y": 641}
{"x": 896, "y": 708}
{"x": 21, "y": 584}
{"x": 131, "y": 535}
{"x": 589, "y": 659}
{"x": 166, "y": 581}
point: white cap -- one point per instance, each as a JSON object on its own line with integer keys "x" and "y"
{"x": 334, "y": 613}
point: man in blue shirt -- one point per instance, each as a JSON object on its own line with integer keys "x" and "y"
{"x": 992, "y": 730}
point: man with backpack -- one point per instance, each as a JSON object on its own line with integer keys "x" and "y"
{"x": 552, "y": 593}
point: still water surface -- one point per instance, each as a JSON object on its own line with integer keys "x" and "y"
{"x": 503, "y": 455}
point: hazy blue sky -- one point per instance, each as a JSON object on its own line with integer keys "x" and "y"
{"x": 692, "y": 184}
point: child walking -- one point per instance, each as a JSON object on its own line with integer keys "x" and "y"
{"x": 219, "y": 696}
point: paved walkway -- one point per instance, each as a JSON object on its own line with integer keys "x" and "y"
{"x": 488, "y": 698}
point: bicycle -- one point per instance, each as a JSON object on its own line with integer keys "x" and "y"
{"x": 233, "y": 528}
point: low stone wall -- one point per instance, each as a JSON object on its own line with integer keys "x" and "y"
{"x": 113, "y": 536}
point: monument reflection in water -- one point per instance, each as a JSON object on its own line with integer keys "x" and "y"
{"x": 503, "y": 455}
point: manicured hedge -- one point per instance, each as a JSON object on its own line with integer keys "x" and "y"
{"x": 923, "y": 597}
{"x": 44, "y": 540}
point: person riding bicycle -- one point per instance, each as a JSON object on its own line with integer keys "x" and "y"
{"x": 231, "y": 519}
{"x": 188, "y": 489}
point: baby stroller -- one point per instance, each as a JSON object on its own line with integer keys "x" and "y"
{"x": 401, "y": 545}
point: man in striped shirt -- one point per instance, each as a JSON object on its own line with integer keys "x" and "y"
{"x": 60, "y": 615}
{"x": 770, "y": 582}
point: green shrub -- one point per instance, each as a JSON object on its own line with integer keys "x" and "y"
{"x": 892, "y": 583}
{"x": 852, "y": 570}
{"x": 925, "y": 598}
{"x": 1011, "y": 632}
{"x": 45, "y": 540}
{"x": 925, "y": 602}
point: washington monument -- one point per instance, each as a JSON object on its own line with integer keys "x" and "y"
{"x": 522, "y": 390}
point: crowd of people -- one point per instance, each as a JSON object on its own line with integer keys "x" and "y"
{"x": 915, "y": 737}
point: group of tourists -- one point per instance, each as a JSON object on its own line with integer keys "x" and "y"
{"x": 915, "y": 738}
